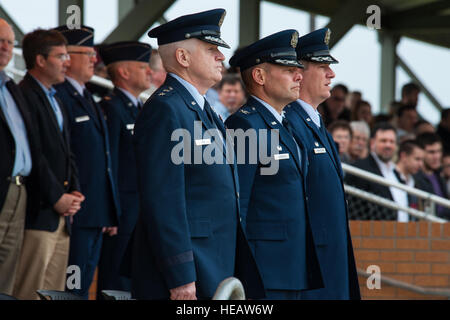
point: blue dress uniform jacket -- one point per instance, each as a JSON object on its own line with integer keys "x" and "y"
{"x": 121, "y": 114}
{"x": 90, "y": 144}
{"x": 328, "y": 209}
{"x": 188, "y": 227}
{"x": 273, "y": 207}
{"x": 61, "y": 173}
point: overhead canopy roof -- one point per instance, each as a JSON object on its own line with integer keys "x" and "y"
{"x": 424, "y": 20}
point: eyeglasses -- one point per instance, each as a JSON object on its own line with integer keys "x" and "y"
{"x": 90, "y": 54}
{"x": 62, "y": 56}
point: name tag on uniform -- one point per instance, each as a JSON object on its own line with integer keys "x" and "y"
{"x": 202, "y": 142}
{"x": 281, "y": 156}
{"x": 320, "y": 150}
{"x": 82, "y": 119}
{"x": 130, "y": 126}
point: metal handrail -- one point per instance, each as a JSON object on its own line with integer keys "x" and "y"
{"x": 391, "y": 204}
{"x": 407, "y": 286}
{"x": 230, "y": 289}
{"x": 381, "y": 180}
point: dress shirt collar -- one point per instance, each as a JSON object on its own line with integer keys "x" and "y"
{"x": 130, "y": 96}
{"x": 384, "y": 167}
{"x": 272, "y": 110}
{"x": 312, "y": 113}
{"x": 77, "y": 85}
{"x": 3, "y": 78}
{"x": 192, "y": 90}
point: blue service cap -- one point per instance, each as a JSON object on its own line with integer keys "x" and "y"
{"x": 278, "y": 48}
{"x": 125, "y": 51}
{"x": 204, "y": 26}
{"x": 84, "y": 36}
{"x": 314, "y": 47}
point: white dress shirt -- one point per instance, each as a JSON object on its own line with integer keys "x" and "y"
{"x": 399, "y": 196}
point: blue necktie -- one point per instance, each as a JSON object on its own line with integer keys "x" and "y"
{"x": 56, "y": 109}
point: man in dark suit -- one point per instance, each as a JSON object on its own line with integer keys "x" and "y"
{"x": 429, "y": 178}
{"x": 273, "y": 204}
{"x": 129, "y": 70}
{"x": 188, "y": 237}
{"x": 100, "y": 211}
{"x": 324, "y": 181}
{"x": 383, "y": 144}
{"x": 20, "y": 160}
{"x": 45, "y": 249}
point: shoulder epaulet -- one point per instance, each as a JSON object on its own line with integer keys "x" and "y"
{"x": 247, "y": 110}
{"x": 164, "y": 91}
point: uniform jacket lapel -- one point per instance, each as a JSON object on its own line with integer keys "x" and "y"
{"x": 130, "y": 108}
{"x": 272, "y": 123}
{"x": 299, "y": 109}
{"x": 83, "y": 102}
{"x": 48, "y": 108}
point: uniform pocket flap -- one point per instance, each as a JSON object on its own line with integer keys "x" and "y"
{"x": 266, "y": 231}
{"x": 200, "y": 228}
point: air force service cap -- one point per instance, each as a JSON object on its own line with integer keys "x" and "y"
{"x": 125, "y": 51}
{"x": 278, "y": 48}
{"x": 84, "y": 36}
{"x": 314, "y": 47}
{"x": 204, "y": 26}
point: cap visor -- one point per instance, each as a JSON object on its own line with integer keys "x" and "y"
{"x": 215, "y": 40}
{"x": 287, "y": 62}
{"x": 323, "y": 59}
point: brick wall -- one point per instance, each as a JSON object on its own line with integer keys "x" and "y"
{"x": 414, "y": 252}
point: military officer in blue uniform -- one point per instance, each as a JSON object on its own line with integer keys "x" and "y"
{"x": 100, "y": 211}
{"x": 188, "y": 237}
{"x": 273, "y": 205}
{"x": 128, "y": 67}
{"x": 324, "y": 183}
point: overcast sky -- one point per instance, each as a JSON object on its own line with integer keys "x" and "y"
{"x": 358, "y": 52}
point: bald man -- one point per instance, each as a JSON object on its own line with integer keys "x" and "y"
{"x": 19, "y": 162}
{"x": 188, "y": 237}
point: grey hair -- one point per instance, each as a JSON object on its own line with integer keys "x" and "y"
{"x": 360, "y": 126}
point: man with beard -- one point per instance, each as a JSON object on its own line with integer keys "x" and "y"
{"x": 383, "y": 145}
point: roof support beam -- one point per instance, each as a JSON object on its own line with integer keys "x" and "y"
{"x": 17, "y": 31}
{"x": 249, "y": 18}
{"x": 416, "y": 80}
{"x": 349, "y": 14}
{"x": 139, "y": 20}
{"x": 388, "y": 43}
{"x": 62, "y": 10}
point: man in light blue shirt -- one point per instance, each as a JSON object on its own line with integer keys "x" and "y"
{"x": 58, "y": 196}
{"x": 231, "y": 96}
{"x": 16, "y": 164}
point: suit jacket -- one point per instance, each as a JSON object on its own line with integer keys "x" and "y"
{"x": 423, "y": 183}
{"x": 273, "y": 207}
{"x": 327, "y": 204}
{"x": 121, "y": 115}
{"x": 8, "y": 148}
{"x": 374, "y": 211}
{"x": 90, "y": 144}
{"x": 61, "y": 173}
{"x": 188, "y": 227}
